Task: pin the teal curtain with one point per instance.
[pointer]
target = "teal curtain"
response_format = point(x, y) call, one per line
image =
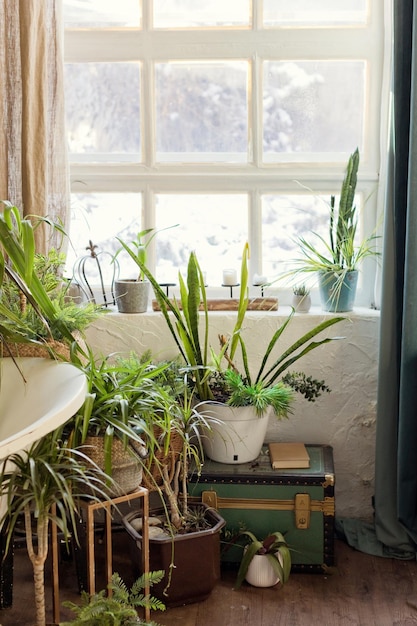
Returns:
point(396, 442)
point(394, 531)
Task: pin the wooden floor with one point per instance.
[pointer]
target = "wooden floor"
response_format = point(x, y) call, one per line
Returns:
point(360, 591)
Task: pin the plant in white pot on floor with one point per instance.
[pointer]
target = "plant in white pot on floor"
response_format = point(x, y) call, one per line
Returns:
point(243, 399)
point(264, 562)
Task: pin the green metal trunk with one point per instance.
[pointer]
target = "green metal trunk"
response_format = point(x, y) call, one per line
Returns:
point(297, 502)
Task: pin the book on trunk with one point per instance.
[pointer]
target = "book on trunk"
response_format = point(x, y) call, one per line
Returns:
point(288, 455)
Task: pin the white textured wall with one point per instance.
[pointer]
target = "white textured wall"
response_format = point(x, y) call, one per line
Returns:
point(344, 419)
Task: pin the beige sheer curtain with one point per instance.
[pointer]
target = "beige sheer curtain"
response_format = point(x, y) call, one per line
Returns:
point(33, 160)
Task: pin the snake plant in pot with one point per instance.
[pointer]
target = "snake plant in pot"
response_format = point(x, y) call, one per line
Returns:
point(238, 401)
point(336, 260)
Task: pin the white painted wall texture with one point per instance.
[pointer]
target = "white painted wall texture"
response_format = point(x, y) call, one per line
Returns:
point(344, 418)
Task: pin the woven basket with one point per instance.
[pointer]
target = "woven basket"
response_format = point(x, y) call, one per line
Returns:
point(126, 468)
point(60, 349)
point(152, 476)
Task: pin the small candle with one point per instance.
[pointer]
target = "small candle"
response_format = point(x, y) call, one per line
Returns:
point(259, 280)
point(229, 277)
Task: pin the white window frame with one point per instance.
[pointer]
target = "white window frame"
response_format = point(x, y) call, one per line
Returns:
point(369, 41)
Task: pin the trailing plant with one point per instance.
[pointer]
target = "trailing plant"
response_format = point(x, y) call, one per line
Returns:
point(273, 547)
point(119, 608)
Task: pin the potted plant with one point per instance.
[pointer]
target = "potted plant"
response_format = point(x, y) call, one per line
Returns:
point(132, 294)
point(35, 318)
point(119, 608)
point(264, 562)
point(43, 483)
point(337, 260)
point(183, 536)
point(116, 424)
point(237, 430)
point(301, 300)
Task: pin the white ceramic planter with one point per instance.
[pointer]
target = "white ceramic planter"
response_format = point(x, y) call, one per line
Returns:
point(239, 434)
point(301, 304)
point(261, 573)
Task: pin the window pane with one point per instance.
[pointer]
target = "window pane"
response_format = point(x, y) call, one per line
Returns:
point(328, 12)
point(202, 111)
point(102, 109)
point(284, 219)
point(310, 109)
point(101, 13)
point(192, 14)
point(101, 217)
point(215, 226)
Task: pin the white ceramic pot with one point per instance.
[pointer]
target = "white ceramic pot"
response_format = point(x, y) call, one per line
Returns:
point(239, 434)
point(301, 304)
point(261, 573)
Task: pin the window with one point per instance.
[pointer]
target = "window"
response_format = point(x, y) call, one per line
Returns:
point(229, 121)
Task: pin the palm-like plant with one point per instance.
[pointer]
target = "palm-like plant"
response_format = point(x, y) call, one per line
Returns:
point(43, 484)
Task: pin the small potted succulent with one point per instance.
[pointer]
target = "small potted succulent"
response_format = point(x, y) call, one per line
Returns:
point(264, 562)
point(301, 300)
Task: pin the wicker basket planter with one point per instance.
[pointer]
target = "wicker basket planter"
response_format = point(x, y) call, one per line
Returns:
point(127, 469)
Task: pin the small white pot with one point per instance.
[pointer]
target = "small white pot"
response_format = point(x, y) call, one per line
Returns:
point(301, 304)
point(261, 573)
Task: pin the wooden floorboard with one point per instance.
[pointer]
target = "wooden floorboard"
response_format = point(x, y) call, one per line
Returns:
point(361, 590)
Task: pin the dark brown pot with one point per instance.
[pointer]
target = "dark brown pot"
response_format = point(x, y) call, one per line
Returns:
point(196, 559)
